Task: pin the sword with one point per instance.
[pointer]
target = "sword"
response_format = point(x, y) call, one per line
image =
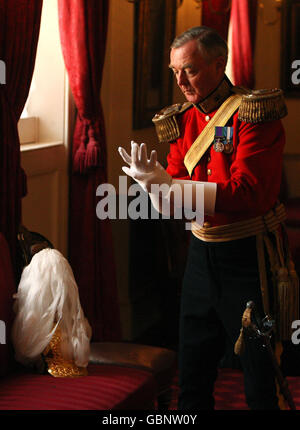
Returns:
point(253, 325)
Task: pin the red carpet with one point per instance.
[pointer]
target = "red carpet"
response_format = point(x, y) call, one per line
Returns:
point(229, 391)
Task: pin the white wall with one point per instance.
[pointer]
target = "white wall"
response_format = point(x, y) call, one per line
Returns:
point(267, 66)
point(45, 161)
point(47, 94)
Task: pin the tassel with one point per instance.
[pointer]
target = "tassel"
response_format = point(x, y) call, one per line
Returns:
point(80, 154)
point(287, 287)
point(283, 304)
point(93, 148)
point(79, 159)
point(294, 279)
point(287, 300)
point(93, 154)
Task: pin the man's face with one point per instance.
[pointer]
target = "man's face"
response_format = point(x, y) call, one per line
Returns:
point(195, 77)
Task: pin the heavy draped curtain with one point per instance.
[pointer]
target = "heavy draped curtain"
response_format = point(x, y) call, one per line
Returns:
point(83, 31)
point(241, 16)
point(243, 26)
point(215, 14)
point(19, 31)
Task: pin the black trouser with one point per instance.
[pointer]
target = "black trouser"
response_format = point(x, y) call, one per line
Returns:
point(220, 279)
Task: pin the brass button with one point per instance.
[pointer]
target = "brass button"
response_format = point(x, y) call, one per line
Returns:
point(207, 224)
point(207, 118)
point(209, 171)
point(208, 159)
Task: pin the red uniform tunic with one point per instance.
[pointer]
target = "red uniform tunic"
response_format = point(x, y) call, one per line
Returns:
point(248, 180)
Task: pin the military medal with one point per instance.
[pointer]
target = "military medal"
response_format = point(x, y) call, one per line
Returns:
point(218, 145)
point(228, 148)
point(219, 139)
point(223, 141)
point(228, 144)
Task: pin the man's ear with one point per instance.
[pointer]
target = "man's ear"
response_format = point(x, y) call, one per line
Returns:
point(220, 63)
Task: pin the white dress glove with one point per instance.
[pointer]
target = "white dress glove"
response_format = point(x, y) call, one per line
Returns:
point(144, 171)
point(149, 173)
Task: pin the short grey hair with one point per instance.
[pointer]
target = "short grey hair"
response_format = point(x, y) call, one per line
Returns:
point(210, 43)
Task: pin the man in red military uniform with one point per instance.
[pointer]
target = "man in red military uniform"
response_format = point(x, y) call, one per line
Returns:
point(248, 176)
point(233, 138)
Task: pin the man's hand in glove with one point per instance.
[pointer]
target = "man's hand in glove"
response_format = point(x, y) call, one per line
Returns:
point(144, 171)
point(148, 172)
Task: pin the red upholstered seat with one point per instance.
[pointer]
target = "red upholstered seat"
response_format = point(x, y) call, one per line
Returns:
point(106, 387)
point(161, 362)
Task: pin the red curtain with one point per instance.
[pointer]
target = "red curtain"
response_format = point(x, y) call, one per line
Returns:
point(215, 14)
point(83, 31)
point(243, 24)
point(19, 31)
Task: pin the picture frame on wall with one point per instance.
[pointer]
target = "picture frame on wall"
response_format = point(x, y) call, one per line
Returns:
point(154, 29)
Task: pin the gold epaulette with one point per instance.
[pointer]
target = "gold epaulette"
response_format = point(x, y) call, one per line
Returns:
point(262, 106)
point(165, 121)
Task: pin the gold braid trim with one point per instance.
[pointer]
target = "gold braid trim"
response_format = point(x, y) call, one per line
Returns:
point(166, 123)
point(262, 106)
point(240, 229)
point(167, 129)
point(271, 237)
point(262, 272)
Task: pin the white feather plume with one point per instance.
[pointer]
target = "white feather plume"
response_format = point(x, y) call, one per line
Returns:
point(47, 295)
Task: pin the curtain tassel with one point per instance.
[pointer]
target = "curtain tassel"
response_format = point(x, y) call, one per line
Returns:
point(93, 149)
point(79, 159)
point(93, 153)
point(80, 154)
